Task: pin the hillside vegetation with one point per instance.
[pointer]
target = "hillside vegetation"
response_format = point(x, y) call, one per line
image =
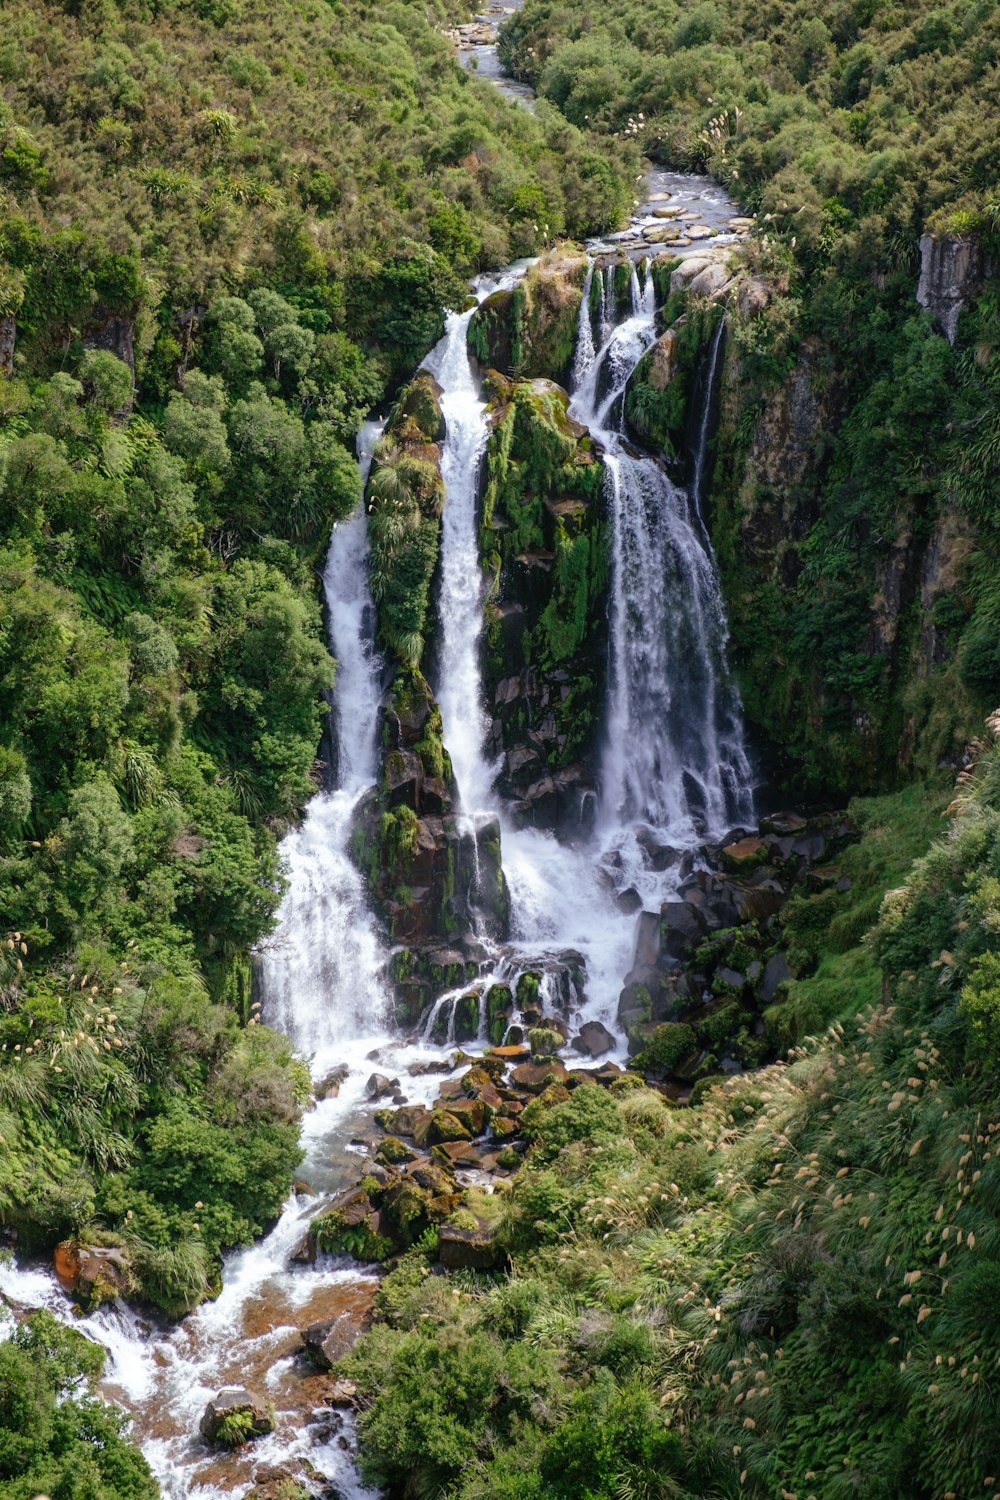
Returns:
point(789, 1290)
point(217, 254)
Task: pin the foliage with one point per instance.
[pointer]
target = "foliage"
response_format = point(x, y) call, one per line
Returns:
point(134, 1103)
point(55, 1437)
point(790, 1287)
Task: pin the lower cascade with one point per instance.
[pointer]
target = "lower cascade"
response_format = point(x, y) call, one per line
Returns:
point(671, 775)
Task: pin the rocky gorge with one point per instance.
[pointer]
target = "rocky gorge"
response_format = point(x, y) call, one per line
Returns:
point(580, 945)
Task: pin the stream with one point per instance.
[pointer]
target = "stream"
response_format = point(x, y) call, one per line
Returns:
point(673, 767)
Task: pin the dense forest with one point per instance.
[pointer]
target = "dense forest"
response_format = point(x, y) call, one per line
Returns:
point(230, 232)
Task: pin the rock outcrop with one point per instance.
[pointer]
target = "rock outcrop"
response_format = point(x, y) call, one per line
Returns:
point(235, 1417)
point(544, 545)
point(93, 1273)
point(8, 338)
point(952, 271)
point(530, 331)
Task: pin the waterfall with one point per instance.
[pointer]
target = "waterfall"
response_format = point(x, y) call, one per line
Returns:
point(583, 359)
point(705, 416)
point(460, 606)
point(323, 979)
point(323, 971)
point(674, 756)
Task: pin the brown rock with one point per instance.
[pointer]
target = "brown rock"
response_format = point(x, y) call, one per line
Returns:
point(93, 1273)
point(327, 1341)
point(235, 1417)
point(534, 1077)
point(466, 1249)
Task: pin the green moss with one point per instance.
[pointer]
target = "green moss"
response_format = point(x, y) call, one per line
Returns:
point(670, 1043)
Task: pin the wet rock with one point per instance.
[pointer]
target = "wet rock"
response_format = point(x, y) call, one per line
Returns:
point(444, 1126)
point(594, 1040)
point(776, 973)
point(783, 823)
point(329, 1085)
point(534, 1077)
point(392, 1152)
point(305, 1251)
point(467, 1249)
point(329, 1340)
point(647, 940)
point(745, 853)
point(378, 1086)
point(681, 926)
point(758, 902)
point(470, 1114)
point(629, 901)
point(952, 271)
point(93, 1273)
point(235, 1417)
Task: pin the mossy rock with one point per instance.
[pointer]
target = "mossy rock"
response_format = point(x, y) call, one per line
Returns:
point(670, 1043)
point(528, 986)
point(446, 1126)
point(491, 335)
point(467, 1017)
point(421, 402)
point(392, 1152)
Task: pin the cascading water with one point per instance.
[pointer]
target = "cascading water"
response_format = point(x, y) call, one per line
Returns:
point(461, 596)
point(674, 757)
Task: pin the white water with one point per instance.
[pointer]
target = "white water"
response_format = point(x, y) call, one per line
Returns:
point(674, 760)
point(461, 598)
point(674, 757)
point(323, 974)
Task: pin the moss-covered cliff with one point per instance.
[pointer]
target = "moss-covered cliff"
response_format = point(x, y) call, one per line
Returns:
point(848, 507)
point(544, 543)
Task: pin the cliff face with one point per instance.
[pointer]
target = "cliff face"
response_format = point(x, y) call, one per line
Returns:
point(543, 540)
point(952, 273)
point(847, 577)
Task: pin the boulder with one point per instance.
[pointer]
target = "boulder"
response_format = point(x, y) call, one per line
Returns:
point(745, 854)
point(235, 1417)
point(329, 1340)
point(466, 1249)
point(776, 973)
point(594, 1040)
point(378, 1086)
point(93, 1273)
point(305, 1251)
point(682, 927)
point(647, 940)
point(329, 1086)
point(534, 1077)
point(341, 1393)
point(445, 1126)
